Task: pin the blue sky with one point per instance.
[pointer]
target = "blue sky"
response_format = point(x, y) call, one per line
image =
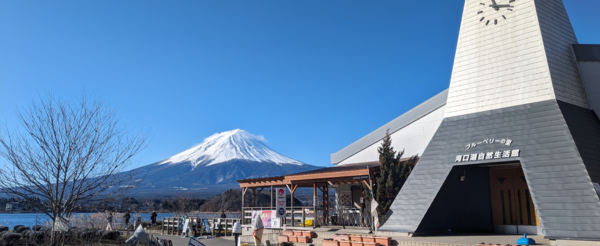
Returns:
point(310, 76)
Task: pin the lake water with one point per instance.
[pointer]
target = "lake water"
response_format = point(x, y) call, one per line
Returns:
point(29, 219)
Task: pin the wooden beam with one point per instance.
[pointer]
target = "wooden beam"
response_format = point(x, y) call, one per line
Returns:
point(367, 184)
point(327, 175)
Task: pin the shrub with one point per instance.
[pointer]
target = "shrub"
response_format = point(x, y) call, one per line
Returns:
point(111, 235)
point(37, 228)
point(22, 229)
point(88, 235)
point(99, 233)
point(10, 237)
point(34, 236)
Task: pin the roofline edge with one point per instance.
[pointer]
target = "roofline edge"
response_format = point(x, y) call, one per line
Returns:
point(421, 110)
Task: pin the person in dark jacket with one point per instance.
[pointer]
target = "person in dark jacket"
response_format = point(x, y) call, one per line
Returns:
point(110, 219)
point(126, 217)
point(223, 215)
point(153, 217)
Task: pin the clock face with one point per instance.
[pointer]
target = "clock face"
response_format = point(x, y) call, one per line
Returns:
point(491, 12)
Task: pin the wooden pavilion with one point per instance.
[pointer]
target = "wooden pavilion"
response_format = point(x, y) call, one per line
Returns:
point(320, 179)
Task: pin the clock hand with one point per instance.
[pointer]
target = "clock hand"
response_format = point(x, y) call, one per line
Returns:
point(494, 4)
point(501, 6)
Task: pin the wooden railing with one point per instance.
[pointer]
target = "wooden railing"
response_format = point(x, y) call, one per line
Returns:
point(293, 217)
point(197, 226)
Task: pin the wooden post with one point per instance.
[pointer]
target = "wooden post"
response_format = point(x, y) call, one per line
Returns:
point(254, 197)
point(325, 203)
point(292, 190)
point(271, 193)
point(314, 205)
point(362, 207)
point(243, 198)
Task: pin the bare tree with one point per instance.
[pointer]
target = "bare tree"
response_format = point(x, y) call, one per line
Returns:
point(68, 153)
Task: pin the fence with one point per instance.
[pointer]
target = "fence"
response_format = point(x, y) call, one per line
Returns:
point(198, 226)
point(346, 216)
point(298, 216)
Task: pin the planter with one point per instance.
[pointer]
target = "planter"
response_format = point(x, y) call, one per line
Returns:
point(357, 238)
point(308, 234)
point(292, 239)
point(386, 241)
point(288, 233)
point(345, 243)
point(283, 239)
point(297, 233)
point(368, 239)
point(370, 244)
point(302, 239)
point(330, 242)
point(341, 237)
point(357, 244)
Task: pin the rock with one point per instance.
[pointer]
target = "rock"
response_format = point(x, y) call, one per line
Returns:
point(17, 227)
point(3, 228)
point(37, 228)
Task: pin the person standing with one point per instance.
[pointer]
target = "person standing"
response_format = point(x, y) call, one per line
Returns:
point(126, 217)
point(110, 219)
point(153, 217)
point(223, 215)
point(138, 222)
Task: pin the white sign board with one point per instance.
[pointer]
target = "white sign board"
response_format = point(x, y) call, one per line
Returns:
point(275, 221)
point(61, 225)
point(280, 202)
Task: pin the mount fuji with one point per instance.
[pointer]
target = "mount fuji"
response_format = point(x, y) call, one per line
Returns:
point(214, 166)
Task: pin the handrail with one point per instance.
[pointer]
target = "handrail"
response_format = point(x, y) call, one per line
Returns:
point(172, 225)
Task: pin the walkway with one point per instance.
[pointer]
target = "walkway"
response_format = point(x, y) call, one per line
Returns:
point(179, 241)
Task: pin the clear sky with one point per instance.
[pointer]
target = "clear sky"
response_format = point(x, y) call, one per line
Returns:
point(310, 76)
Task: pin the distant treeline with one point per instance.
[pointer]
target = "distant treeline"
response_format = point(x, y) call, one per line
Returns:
point(230, 201)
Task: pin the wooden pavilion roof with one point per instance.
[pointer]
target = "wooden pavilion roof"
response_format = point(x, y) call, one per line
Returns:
point(343, 174)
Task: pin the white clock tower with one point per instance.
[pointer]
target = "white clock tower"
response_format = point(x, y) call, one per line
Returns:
point(516, 88)
point(514, 54)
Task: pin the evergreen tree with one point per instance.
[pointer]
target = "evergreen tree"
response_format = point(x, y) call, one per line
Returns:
point(393, 174)
point(385, 182)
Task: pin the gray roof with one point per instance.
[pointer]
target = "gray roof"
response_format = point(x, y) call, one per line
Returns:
point(587, 52)
point(395, 125)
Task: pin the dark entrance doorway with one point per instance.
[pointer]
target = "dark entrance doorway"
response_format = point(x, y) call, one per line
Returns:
point(513, 211)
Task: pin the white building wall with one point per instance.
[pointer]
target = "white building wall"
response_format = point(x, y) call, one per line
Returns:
point(506, 64)
point(558, 36)
point(414, 138)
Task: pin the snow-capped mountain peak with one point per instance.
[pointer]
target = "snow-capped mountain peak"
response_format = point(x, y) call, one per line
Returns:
point(230, 145)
